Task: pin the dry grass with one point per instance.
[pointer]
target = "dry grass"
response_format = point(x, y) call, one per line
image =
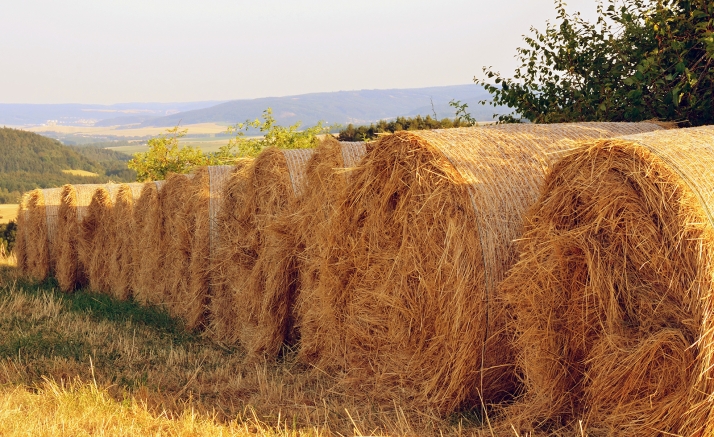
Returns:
point(8, 212)
point(177, 232)
point(20, 248)
point(275, 183)
point(404, 307)
point(40, 232)
point(207, 193)
point(96, 232)
point(80, 173)
point(146, 245)
point(70, 272)
point(120, 247)
point(224, 276)
point(612, 296)
point(302, 230)
point(144, 375)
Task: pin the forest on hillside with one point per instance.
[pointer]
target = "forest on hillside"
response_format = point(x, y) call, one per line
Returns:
point(29, 161)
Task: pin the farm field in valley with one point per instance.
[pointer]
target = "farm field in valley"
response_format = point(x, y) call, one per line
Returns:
point(80, 173)
point(8, 212)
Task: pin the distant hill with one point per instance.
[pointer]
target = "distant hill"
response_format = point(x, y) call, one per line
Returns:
point(75, 114)
point(343, 107)
point(29, 160)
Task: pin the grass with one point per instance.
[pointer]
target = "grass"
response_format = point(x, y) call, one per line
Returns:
point(8, 212)
point(84, 363)
point(80, 173)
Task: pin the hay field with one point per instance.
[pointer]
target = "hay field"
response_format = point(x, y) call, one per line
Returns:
point(85, 363)
point(80, 173)
point(8, 212)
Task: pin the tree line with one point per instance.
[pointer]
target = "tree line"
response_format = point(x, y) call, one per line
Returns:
point(371, 132)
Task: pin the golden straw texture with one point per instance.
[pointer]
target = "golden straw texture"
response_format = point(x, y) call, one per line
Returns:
point(223, 273)
point(178, 228)
point(404, 307)
point(75, 199)
point(266, 298)
point(95, 237)
point(327, 176)
point(120, 246)
point(146, 248)
point(207, 189)
point(611, 298)
point(40, 230)
point(20, 248)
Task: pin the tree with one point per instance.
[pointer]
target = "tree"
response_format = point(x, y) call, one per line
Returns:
point(165, 156)
point(640, 60)
point(273, 135)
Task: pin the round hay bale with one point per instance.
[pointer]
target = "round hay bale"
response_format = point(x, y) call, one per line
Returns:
point(36, 247)
point(266, 299)
point(40, 232)
point(70, 272)
point(120, 247)
point(612, 295)
point(223, 310)
point(271, 185)
point(207, 189)
point(404, 307)
point(94, 248)
point(146, 248)
point(20, 248)
point(175, 198)
point(327, 175)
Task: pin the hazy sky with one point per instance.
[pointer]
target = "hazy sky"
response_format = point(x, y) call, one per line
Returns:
point(111, 51)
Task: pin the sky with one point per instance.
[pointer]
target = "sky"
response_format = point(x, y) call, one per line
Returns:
point(114, 51)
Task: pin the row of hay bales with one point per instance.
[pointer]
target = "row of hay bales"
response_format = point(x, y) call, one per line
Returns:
point(395, 267)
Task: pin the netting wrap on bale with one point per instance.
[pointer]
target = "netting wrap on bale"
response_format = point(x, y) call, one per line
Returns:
point(206, 200)
point(612, 295)
point(404, 305)
point(75, 200)
point(146, 247)
point(120, 248)
point(96, 232)
point(40, 232)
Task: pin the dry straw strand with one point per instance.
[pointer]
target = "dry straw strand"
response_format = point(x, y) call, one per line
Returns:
point(36, 244)
point(178, 228)
point(223, 272)
point(95, 249)
point(611, 298)
point(404, 305)
point(20, 248)
point(120, 246)
point(245, 285)
point(40, 231)
point(74, 200)
point(327, 175)
point(146, 247)
point(207, 192)
point(267, 296)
